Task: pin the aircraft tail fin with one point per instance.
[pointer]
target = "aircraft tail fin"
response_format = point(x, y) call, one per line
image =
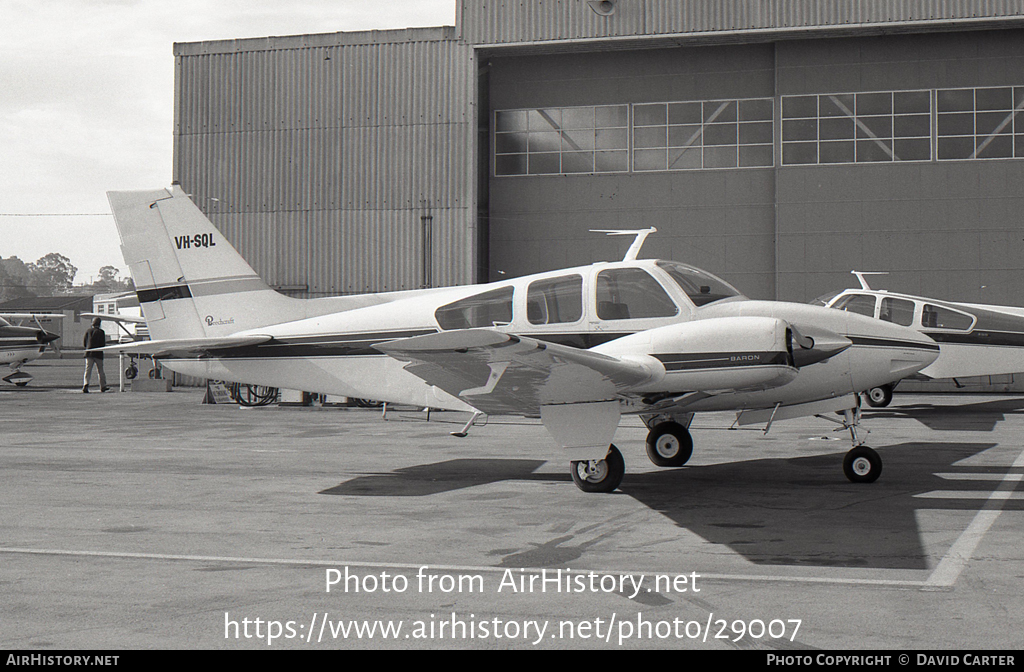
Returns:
point(190, 281)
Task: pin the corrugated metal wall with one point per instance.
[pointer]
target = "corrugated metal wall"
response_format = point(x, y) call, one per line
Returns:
point(510, 21)
point(318, 155)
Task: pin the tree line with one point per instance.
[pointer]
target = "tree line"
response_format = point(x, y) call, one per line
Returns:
point(53, 275)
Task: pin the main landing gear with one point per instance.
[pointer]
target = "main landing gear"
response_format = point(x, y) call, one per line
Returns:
point(861, 464)
point(879, 397)
point(599, 475)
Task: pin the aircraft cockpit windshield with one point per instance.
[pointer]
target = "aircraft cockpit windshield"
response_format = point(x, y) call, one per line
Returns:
point(824, 299)
point(702, 287)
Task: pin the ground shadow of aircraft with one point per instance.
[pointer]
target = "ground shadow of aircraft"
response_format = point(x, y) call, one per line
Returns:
point(792, 511)
point(977, 417)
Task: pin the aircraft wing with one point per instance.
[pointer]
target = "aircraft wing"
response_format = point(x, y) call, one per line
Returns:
point(29, 316)
point(130, 319)
point(503, 374)
point(184, 347)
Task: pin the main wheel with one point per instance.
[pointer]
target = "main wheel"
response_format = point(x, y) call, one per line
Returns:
point(879, 396)
point(669, 444)
point(599, 475)
point(862, 465)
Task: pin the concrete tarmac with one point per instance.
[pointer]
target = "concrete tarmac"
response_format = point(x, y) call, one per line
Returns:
point(149, 520)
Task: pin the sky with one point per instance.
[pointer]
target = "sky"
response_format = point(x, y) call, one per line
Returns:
point(87, 96)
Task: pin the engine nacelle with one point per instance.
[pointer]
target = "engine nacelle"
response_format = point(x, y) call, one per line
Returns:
point(725, 353)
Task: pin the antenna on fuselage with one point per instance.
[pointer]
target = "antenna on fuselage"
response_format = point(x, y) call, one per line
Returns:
point(864, 283)
point(634, 249)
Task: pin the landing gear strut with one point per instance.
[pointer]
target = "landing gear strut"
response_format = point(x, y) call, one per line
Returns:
point(599, 475)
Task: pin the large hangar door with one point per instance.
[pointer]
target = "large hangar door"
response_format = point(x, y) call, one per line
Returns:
point(678, 139)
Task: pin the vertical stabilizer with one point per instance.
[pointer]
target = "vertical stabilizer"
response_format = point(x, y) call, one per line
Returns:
point(190, 281)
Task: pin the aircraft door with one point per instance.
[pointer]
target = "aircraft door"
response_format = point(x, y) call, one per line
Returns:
point(630, 299)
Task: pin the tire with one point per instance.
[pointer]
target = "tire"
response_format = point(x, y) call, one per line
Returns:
point(669, 444)
point(862, 465)
point(599, 475)
point(131, 372)
point(879, 397)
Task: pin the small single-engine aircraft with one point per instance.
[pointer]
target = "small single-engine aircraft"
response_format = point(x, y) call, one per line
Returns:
point(974, 339)
point(20, 344)
point(576, 347)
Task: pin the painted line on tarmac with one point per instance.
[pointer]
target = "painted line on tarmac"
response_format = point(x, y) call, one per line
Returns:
point(960, 553)
point(752, 578)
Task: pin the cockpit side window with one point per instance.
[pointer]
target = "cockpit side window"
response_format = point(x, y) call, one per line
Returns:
point(937, 317)
point(897, 311)
point(555, 300)
point(862, 304)
point(702, 288)
point(493, 308)
point(631, 293)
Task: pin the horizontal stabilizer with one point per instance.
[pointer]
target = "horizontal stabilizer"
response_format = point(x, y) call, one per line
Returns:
point(500, 373)
point(184, 347)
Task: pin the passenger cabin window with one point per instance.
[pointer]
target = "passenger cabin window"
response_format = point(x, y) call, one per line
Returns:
point(897, 311)
point(937, 317)
point(702, 288)
point(555, 301)
point(631, 293)
point(862, 304)
point(489, 309)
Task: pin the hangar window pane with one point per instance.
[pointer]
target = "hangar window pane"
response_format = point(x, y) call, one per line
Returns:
point(874, 127)
point(757, 155)
point(898, 311)
point(919, 149)
point(796, 153)
point(719, 110)
point(979, 123)
point(873, 118)
point(489, 309)
point(650, 115)
point(555, 301)
point(611, 162)
point(578, 162)
point(544, 164)
point(685, 158)
point(631, 293)
point(836, 152)
point(611, 138)
point(510, 120)
point(685, 113)
point(650, 159)
point(795, 107)
point(874, 150)
point(720, 157)
point(911, 102)
point(554, 141)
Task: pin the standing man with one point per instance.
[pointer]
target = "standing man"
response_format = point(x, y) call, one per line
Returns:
point(94, 338)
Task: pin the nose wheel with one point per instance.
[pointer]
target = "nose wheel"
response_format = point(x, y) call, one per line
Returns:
point(599, 475)
point(862, 465)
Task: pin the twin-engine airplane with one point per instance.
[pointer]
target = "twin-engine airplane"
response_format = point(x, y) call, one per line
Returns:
point(576, 347)
point(20, 344)
point(974, 339)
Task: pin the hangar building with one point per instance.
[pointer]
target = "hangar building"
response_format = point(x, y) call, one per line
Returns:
point(777, 143)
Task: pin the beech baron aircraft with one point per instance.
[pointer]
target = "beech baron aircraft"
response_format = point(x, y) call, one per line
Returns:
point(20, 344)
point(974, 339)
point(576, 347)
